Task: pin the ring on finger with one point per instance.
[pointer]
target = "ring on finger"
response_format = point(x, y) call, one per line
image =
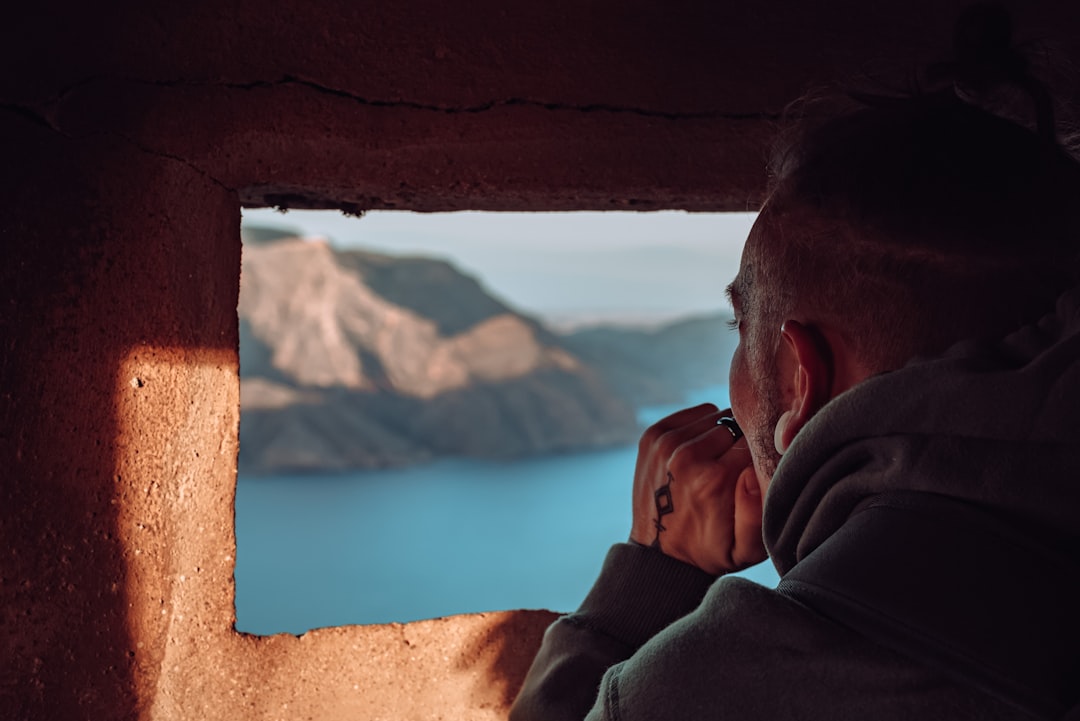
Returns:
point(729, 423)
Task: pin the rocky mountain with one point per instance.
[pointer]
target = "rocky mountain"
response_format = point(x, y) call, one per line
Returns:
point(354, 359)
point(652, 366)
point(351, 359)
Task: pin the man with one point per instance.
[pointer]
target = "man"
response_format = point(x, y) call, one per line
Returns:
point(908, 377)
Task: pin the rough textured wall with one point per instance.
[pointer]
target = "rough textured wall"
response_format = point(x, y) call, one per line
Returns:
point(120, 417)
point(442, 106)
point(133, 133)
point(119, 374)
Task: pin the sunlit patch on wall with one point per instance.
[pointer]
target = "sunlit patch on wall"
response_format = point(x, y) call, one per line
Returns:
point(161, 401)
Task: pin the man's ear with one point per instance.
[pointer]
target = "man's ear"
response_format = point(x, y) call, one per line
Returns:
point(812, 367)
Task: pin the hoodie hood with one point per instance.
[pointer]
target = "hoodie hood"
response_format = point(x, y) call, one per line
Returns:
point(995, 425)
point(934, 511)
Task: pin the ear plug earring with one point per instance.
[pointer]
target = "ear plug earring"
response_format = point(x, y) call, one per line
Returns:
point(778, 436)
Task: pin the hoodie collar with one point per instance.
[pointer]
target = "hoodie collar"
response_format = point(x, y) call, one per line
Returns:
point(993, 424)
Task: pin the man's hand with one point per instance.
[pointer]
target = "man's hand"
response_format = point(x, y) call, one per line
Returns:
point(696, 496)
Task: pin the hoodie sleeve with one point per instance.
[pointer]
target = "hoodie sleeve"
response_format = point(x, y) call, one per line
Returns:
point(639, 592)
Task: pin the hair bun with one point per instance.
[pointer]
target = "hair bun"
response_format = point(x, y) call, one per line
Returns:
point(988, 71)
point(984, 53)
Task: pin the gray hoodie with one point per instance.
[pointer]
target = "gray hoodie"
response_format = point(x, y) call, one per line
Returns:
point(926, 527)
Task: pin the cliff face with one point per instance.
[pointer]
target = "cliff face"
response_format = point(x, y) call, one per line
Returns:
point(353, 359)
point(658, 365)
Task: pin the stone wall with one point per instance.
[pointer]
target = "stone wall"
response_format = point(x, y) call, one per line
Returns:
point(132, 137)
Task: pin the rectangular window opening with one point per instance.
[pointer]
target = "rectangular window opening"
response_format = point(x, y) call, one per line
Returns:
point(439, 412)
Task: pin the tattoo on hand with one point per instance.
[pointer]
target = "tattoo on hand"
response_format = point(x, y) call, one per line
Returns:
point(664, 506)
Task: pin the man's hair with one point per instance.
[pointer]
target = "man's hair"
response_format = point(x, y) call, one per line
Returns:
point(910, 223)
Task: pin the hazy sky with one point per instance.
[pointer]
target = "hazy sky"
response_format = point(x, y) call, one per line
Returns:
point(590, 264)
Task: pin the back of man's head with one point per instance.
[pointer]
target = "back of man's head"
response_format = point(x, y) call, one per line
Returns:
point(911, 223)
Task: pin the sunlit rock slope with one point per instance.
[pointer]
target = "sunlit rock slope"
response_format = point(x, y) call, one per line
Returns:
point(351, 359)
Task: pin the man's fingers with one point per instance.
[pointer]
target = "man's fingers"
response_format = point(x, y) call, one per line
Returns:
point(695, 440)
point(705, 442)
point(710, 519)
point(676, 422)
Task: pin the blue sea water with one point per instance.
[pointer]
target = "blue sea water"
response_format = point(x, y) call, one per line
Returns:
point(454, 536)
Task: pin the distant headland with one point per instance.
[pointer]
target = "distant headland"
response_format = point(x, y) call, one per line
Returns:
point(352, 359)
